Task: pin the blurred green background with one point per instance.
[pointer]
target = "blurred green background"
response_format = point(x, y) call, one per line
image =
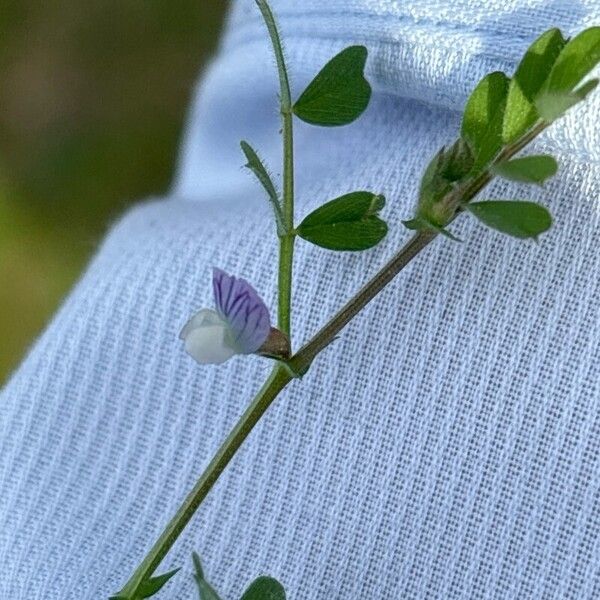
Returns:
point(93, 96)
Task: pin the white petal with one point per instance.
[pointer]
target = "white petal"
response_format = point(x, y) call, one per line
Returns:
point(207, 337)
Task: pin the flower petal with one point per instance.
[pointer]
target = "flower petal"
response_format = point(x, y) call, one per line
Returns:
point(241, 307)
point(207, 338)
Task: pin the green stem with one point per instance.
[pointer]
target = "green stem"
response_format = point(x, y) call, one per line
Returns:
point(286, 242)
point(278, 379)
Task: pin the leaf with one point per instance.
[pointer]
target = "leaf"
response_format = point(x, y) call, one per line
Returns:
point(516, 218)
point(483, 117)
point(534, 69)
point(349, 222)
point(530, 76)
point(206, 590)
point(528, 169)
point(154, 584)
point(577, 59)
point(257, 167)
point(579, 56)
point(520, 114)
point(264, 588)
point(551, 106)
point(339, 93)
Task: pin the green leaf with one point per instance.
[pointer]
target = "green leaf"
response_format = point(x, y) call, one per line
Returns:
point(553, 105)
point(154, 584)
point(530, 76)
point(578, 58)
point(534, 69)
point(520, 114)
point(256, 165)
point(349, 222)
point(206, 590)
point(483, 117)
point(516, 218)
point(528, 169)
point(264, 588)
point(339, 93)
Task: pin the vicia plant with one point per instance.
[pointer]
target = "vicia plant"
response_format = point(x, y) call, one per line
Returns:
point(502, 116)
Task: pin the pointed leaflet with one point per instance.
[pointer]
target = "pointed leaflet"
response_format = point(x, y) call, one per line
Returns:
point(579, 56)
point(257, 167)
point(264, 588)
point(205, 589)
point(529, 78)
point(528, 169)
point(339, 93)
point(519, 219)
point(349, 222)
point(533, 70)
point(154, 584)
point(483, 117)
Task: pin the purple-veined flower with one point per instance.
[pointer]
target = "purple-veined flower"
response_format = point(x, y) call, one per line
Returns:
point(239, 325)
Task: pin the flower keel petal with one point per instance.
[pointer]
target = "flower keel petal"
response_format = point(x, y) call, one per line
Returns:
point(207, 338)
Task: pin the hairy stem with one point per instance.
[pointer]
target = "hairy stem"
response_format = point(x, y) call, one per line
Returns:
point(286, 241)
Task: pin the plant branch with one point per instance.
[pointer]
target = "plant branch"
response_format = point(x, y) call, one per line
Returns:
point(286, 241)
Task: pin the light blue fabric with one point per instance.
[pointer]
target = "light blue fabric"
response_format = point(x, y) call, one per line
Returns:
point(446, 446)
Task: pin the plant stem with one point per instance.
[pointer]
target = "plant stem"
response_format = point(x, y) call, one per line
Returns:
point(286, 241)
point(278, 379)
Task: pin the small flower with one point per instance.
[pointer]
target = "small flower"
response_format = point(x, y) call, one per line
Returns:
point(239, 325)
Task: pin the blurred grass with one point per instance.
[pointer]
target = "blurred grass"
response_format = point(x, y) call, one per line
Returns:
point(92, 100)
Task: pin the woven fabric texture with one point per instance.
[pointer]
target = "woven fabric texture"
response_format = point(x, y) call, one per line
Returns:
point(446, 446)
